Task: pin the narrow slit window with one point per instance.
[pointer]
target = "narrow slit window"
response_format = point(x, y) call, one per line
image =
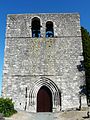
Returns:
point(49, 29)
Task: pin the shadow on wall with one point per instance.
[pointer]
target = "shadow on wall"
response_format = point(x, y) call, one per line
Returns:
point(82, 94)
point(81, 66)
point(83, 88)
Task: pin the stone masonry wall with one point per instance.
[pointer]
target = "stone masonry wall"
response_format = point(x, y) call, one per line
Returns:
point(28, 59)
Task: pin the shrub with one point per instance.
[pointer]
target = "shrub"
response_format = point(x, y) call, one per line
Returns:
point(7, 107)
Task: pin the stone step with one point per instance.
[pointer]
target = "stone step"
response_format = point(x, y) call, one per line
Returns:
point(43, 116)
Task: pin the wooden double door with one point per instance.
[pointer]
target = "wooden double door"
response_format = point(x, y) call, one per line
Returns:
point(44, 100)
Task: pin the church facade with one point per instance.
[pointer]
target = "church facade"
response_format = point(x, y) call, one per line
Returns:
point(42, 55)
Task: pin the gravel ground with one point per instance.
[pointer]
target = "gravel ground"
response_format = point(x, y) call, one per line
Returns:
point(70, 115)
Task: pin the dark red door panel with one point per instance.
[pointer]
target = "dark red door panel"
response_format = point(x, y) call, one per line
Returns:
point(44, 100)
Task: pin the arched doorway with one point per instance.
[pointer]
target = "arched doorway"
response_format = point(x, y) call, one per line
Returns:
point(44, 100)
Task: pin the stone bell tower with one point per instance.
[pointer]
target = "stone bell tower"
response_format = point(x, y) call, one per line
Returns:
point(42, 52)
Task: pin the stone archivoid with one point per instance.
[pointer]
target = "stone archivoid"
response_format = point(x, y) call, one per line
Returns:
point(42, 55)
point(46, 93)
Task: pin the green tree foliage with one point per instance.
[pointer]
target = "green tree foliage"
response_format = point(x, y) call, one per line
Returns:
point(86, 53)
point(7, 107)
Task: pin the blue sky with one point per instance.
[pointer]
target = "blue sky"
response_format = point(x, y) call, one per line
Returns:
point(40, 6)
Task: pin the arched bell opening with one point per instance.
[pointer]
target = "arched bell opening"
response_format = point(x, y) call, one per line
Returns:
point(36, 27)
point(49, 29)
